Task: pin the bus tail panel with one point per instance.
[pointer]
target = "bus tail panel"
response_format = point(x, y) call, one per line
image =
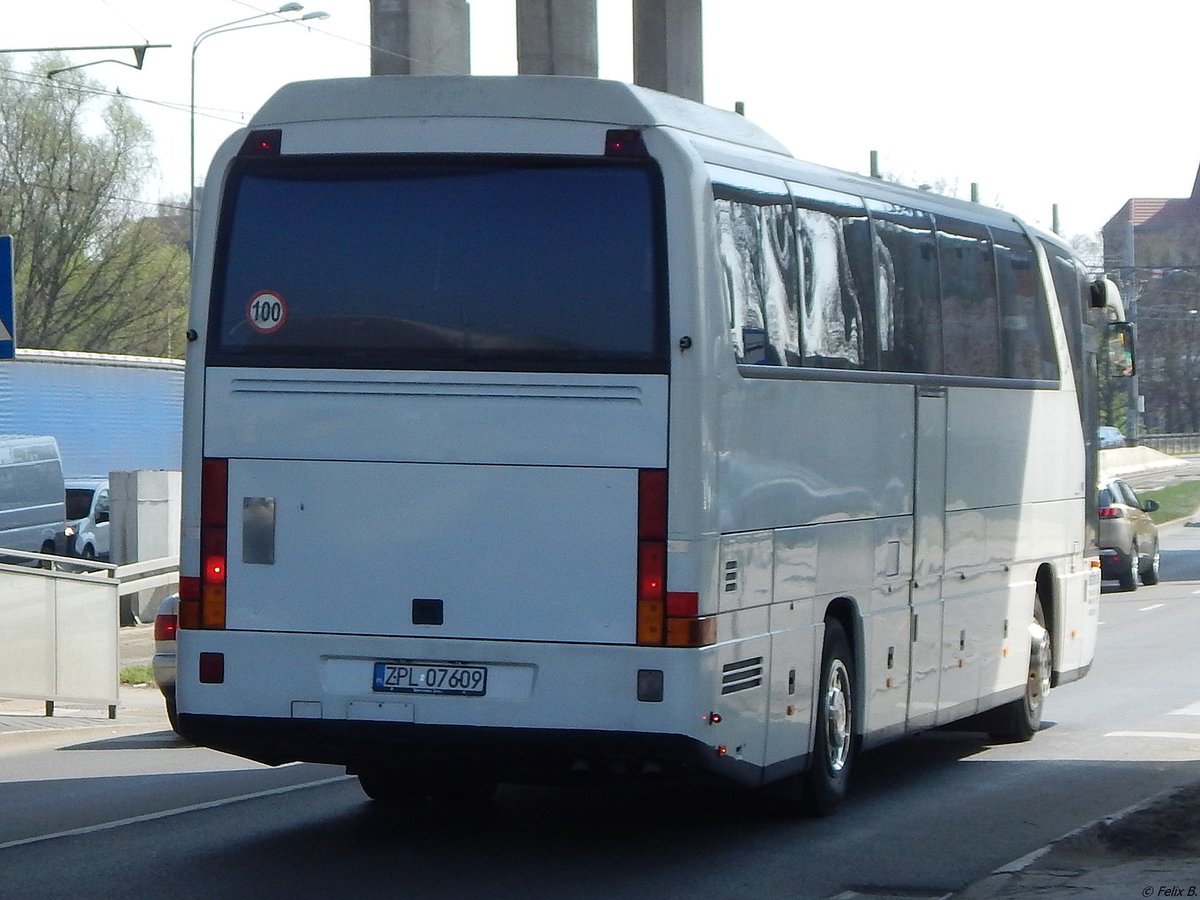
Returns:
point(543, 553)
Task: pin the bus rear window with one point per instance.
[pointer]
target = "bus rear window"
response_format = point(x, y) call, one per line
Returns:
point(372, 262)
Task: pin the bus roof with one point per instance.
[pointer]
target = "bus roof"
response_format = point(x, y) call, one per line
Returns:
point(579, 99)
point(546, 97)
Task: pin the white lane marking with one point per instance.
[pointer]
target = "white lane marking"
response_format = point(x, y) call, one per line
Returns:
point(168, 813)
point(1169, 735)
point(1151, 606)
point(1193, 710)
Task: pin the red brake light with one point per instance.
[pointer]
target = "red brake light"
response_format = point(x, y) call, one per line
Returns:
point(625, 144)
point(1111, 512)
point(652, 505)
point(165, 627)
point(265, 142)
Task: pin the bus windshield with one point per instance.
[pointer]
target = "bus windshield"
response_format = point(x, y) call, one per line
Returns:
point(449, 263)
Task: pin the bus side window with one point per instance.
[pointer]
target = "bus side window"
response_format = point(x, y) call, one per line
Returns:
point(906, 265)
point(757, 253)
point(838, 316)
point(970, 323)
point(1027, 341)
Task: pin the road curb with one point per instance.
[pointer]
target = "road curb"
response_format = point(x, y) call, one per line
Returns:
point(996, 883)
point(22, 737)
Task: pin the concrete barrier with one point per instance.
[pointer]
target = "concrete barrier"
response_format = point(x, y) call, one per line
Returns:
point(1119, 461)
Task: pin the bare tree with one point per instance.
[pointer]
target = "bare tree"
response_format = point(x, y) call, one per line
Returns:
point(94, 270)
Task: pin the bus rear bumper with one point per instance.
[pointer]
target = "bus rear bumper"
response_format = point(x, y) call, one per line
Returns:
point(547, 712)
point(517, 755)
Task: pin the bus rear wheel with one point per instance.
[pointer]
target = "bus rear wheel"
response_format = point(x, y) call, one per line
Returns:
point(833, 747)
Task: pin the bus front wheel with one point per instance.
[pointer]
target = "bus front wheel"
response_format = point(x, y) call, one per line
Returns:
point(833, 747)
point(1021, 719)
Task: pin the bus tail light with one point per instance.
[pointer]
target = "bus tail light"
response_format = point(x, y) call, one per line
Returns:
point(685, 626)
point(652, 557)
point(202, 600)
point(664, 618)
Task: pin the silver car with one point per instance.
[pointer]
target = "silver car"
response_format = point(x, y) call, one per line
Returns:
point(1128, 538)
point(163, 663)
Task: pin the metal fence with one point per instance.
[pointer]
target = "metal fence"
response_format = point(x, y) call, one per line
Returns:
point(1174, 444)
point(59, 626)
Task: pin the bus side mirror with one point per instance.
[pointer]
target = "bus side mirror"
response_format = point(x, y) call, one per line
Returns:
point(1105, 295)
point(1118, 339)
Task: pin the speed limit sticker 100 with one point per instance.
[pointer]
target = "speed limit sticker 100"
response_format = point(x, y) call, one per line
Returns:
point(266, 312)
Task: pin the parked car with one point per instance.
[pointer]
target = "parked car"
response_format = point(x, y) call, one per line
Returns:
point(1107, 436)
point(86, 534)
point(1128, 538)
point(163, 663)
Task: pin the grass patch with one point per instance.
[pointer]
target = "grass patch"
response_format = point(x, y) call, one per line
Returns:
point(1175, 502)
point(137, 675)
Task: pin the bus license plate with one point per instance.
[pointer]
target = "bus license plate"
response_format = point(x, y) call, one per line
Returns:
point(430, 678)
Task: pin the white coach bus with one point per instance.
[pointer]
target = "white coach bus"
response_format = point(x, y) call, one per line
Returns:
point(543, 428)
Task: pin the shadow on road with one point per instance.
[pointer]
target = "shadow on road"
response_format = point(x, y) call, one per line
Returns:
point(1180, 565)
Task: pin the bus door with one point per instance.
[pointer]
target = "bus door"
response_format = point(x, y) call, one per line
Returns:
point(929, 515)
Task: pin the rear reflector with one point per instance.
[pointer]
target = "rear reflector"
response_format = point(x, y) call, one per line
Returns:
point(212, 668)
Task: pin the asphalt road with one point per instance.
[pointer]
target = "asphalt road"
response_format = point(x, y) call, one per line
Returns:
point(147, 815)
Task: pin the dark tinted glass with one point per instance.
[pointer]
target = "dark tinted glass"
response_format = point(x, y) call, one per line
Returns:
point(1027, 341)
point(1072, 289)
point(444, 264)
point(970, 325)
point(906, 278)
point(79, 502)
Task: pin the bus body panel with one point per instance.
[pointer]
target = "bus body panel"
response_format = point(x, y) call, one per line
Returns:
point(501, 552)
point(439, 417)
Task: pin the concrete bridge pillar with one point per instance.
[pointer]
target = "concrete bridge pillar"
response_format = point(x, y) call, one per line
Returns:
point(667, 47)
point(420, 37)
point(557, 37)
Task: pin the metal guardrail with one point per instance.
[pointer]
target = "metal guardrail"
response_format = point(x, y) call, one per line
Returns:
point(1173, 444)
point(131, 577)
point(58, 625)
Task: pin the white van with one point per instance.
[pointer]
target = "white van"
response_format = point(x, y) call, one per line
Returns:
point(32, 492)
point(88, 516)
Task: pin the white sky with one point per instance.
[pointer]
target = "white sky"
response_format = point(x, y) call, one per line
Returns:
point(1083, 103)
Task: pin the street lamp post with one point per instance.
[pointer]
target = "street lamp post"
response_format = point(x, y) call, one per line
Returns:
point(235, 25)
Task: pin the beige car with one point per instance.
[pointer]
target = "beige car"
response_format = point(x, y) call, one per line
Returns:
point(1127, 537)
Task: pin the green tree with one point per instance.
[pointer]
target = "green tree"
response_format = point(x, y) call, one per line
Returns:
point(95, 268)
